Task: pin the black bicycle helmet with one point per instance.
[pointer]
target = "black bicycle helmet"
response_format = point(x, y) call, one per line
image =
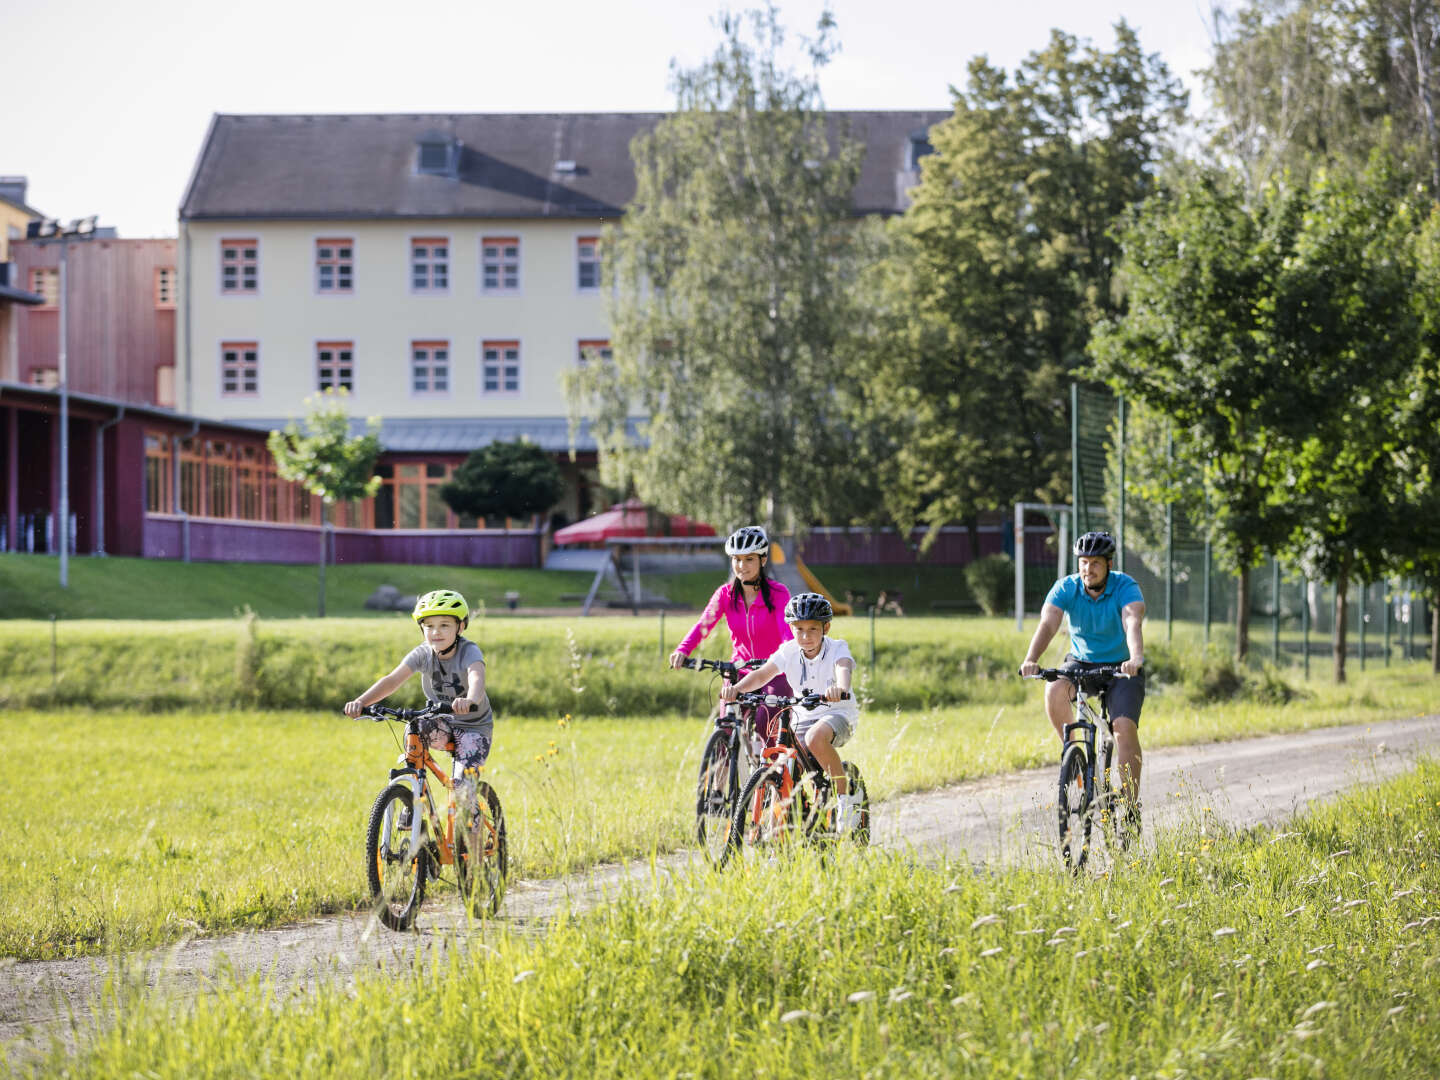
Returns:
point(808, 605)
point(1100, 544)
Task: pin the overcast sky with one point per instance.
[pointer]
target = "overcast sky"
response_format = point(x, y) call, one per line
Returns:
point(107, 101)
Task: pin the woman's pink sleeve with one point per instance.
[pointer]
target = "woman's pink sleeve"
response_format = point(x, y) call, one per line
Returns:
point(708, 618)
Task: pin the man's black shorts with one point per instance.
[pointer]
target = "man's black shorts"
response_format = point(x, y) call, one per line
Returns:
point(1125, 697)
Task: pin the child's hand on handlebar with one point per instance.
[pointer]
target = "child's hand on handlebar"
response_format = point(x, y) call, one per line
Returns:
point(1029, 668)
point(834, 693)
point(354, 709)
point(677, 658)
point(462, 705)
point(728, 691)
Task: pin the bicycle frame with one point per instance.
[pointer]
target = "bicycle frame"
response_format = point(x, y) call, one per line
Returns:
point(789, 754)
point(418, 762)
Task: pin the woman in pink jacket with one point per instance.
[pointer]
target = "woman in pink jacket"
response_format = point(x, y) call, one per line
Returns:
point(753, 606)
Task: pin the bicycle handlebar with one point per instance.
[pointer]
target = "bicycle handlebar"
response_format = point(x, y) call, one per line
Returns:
point(1075, 675)
point(806, 700)
point(724, 667)
point(385, 712)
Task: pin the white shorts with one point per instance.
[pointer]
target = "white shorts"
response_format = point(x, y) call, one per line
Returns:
point(840, 723)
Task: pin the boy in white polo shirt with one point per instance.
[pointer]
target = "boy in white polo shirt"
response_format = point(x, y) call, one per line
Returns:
point(815, 662)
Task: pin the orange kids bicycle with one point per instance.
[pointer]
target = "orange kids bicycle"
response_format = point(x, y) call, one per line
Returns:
point(791, 799)
point(408, 840)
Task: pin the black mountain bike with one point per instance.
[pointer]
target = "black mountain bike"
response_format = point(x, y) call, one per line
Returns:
point(731, 755)
point(1089, 788)
point(791, 799)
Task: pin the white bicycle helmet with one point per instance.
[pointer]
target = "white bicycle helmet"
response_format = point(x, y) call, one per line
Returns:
point(751, 540)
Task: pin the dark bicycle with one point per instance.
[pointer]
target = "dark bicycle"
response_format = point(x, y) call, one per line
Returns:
point(791, 799)
point(1088, 788)
point(731, 755)
point(408, 839)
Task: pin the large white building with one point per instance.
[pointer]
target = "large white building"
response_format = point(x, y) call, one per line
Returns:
point(443, 269)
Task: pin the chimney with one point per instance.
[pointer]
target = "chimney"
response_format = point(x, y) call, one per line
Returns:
point(12, 188)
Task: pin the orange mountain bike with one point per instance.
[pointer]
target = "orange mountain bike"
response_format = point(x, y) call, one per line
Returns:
point(408, 841)
point(791, 799)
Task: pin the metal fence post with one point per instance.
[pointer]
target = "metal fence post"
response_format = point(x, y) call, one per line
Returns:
point(1364, 600)
point(1207, 593)
point(1385, 594)
point(1275, 610)
point(872, 641)
point(1305, 623)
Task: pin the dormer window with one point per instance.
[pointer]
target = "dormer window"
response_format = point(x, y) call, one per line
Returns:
point(919, 147)
point(438, 154)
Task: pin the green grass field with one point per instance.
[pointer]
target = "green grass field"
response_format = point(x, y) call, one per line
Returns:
point(1308, 952)
point(156, 825)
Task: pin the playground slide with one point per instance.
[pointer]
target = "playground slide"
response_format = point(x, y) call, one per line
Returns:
point(798, 578)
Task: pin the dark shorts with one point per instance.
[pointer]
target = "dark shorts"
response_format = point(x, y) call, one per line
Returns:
point(1125, 697)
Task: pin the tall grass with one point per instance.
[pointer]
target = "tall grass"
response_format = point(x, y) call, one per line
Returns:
point(151, 826)
point(611, 666)
point(1300, 953)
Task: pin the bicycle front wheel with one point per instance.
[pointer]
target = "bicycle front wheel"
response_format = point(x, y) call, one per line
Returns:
point(764, 816)
point(482, 854)
point(397, 882)
point(716, 794)
point(1074, 807)
point(860, 834)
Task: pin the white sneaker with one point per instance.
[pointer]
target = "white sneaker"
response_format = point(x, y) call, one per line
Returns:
point(847, 814)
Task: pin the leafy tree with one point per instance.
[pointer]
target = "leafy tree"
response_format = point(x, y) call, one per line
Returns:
point(732, 284)
point(1307, 84)
point(504, 479)
point(1198, 345)
point(326, 461)
point(1345, 315)
point(1000, 266)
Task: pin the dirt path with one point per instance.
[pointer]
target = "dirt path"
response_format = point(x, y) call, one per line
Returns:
point(1253, 781)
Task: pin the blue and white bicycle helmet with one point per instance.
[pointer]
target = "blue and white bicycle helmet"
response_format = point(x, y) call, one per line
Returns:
point(751, 540)
point(808, 605)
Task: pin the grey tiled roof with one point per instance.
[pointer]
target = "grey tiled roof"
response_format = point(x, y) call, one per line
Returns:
point(364, 166)
point(463, 434)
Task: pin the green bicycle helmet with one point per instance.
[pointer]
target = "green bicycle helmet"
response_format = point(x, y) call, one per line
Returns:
point(442, 602)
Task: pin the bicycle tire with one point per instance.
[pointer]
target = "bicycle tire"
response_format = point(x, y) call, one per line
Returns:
point(1107, 801)
point(1076, 789)
point(482, 881)
point(860, 835)
point(762, 818)
point(717, 790)
point(396, 890)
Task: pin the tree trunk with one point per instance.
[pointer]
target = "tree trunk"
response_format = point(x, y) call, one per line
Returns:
point(1342, 587)
point(972, 533)
point(1242, 612)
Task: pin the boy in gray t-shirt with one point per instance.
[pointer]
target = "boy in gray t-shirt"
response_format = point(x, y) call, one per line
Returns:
point(452, 671)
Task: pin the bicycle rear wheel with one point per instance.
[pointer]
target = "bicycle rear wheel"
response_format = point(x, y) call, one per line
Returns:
point(397, 883)
point(1074, 807)
point(716, 794)
point(481, 866)
point(764, 817)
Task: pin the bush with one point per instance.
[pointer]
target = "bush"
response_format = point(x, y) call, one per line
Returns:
point(992, 583)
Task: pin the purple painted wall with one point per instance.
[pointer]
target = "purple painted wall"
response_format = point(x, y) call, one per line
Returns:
point(951, 548)
point(231, 541)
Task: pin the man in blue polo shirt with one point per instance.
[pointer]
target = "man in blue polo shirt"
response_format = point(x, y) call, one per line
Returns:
point(1105, 610)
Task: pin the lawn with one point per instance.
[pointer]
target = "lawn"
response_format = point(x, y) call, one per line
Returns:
point(1296, 953)
point(153, 825)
